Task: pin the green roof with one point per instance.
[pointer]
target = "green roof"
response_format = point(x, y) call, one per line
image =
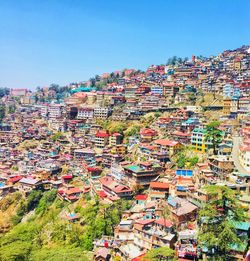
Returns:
point(133, 168)
point(241, 225)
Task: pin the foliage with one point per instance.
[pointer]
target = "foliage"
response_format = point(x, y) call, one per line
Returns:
point(217, 218)
point(60, 254)
point(176, 60)
point(161, 253)
point(117, 127)
point(183, 160)
point(57, 136)
point(132, 130)
point(214, 135)
point(15, 251)
point(2, 112)
point(46, 201)
point(4, 91)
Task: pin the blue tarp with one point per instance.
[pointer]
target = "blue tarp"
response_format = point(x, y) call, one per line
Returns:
point(184, 172)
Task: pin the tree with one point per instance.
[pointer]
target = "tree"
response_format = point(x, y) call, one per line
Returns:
point(4, 91)
point(54, 87)
point(213, 135)
point(2, 112)
point(57, 136)
point(217, 219)
point(181, 160)
point(161, 253)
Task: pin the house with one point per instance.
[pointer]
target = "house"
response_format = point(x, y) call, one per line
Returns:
point(102, 254)
point(102, 112)
point(198, 140)
point(112, 187)
point(70, 194)
point(142, 174)
point(221, 166)
point(115, 139)
point(18, 92)
point(244, 155)
point(101, 139)
point(182, 137)
point(147, 135)
point(29, 184)
point(158, 190)
point(182, 211)
point(85, 113)
point(141, 199)
point(151, 233)
point(168, 146)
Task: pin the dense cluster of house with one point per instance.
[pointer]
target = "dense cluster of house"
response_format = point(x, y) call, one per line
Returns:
point(63, 145)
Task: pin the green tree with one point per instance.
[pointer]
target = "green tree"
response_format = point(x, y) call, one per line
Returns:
point(2, 112)
point(161, 253)
point(214, 135)
point(181, 160)
point(56, 136)
point(217, 219)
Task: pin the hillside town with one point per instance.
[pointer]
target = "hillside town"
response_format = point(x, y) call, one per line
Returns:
point(156, 139)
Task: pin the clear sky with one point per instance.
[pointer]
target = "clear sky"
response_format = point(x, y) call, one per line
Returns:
point(62, 41)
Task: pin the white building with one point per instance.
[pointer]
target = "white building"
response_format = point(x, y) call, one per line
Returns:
point(244, 155)
point(102, 112)
point(85, 113)
point(55, 110)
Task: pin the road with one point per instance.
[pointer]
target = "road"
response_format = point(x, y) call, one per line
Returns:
point(235, 154)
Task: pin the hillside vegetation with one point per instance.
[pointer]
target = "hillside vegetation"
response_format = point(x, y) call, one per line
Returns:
point(39, 231)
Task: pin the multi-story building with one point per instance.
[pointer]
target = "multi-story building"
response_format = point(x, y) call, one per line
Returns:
point(244, 155)
point(101, 139)
point(142, 174)
point(221, 166)
point(55, 110)
point(198, 140)
point(85, 113)
point(226, 106)
point(158, 90)
point(102, 112)
point(115, 139)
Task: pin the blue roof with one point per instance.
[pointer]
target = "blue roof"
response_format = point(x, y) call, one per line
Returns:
point(171, 201)
point(84, 89)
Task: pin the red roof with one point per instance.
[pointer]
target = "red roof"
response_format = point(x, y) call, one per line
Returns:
point(101, 194)
point(148, 132)
point(141, 197)
point(67, 177)
point(164, 222)
point(182, 134)
point(102, 134)
point(144, 221)
point(116, 134)
point(164, 142)
point(73, 191)
point(159, 185)
point(15, 179)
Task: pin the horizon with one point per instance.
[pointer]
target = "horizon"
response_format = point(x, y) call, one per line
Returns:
point(64, 42)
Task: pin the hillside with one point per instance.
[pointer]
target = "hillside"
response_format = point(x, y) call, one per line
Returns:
point(46, 233)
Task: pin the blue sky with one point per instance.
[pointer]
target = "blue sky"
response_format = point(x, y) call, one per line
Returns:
point(62, 41)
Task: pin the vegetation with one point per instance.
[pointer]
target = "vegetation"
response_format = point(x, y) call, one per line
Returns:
point(214, 135)
point(2, 112)
point(57, 136)
point(46, 235)
point(176, 60)
point(4, 91)
point(217, 220)
point(161, 253)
